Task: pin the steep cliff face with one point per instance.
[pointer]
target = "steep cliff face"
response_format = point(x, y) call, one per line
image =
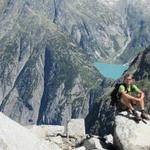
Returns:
point(100, 120)
point(43, 74)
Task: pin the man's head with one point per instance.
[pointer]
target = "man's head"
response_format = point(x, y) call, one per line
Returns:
point(128, 79)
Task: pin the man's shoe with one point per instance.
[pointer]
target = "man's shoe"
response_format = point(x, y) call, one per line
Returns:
point(138, 118)
point(144, 115)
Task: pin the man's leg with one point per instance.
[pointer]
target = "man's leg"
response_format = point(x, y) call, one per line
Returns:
point(127, 102)
point(141, 106)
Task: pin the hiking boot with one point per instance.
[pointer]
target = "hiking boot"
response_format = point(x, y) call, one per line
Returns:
point(138, 118)
point(144, 115)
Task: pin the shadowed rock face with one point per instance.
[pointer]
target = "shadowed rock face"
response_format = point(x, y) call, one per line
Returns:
point(43, 74)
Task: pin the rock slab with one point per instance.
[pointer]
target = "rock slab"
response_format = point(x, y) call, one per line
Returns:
point(129, 135)
point(76, 128)
point(16, 137)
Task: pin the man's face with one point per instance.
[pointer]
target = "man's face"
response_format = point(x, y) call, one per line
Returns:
point(128, 80)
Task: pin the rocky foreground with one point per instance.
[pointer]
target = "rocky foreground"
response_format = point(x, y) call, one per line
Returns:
point(13, 136)
point(131, 135)
point(128, 135)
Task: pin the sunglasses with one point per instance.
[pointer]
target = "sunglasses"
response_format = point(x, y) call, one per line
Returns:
point(129, 78)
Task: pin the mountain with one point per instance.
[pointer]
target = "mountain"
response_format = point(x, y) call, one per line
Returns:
point(108, 30)
point(47, 50)
point(43, 73)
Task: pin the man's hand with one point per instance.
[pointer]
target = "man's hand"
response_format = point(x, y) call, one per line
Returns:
point(140, 95)
point(138, 99)
point(132, 97)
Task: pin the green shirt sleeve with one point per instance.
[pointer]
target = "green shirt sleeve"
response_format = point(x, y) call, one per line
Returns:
point(135, 88)
point(121, 89)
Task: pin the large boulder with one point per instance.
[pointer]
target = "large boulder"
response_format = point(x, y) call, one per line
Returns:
point(15, 137)
point(44, 131)
point(130, 135)
point(80, 148)
point(76, 128)
point(108, 139)
point(65, 137)
point(93, 144)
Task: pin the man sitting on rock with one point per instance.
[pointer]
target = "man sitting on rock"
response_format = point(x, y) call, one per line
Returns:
point(131, 95)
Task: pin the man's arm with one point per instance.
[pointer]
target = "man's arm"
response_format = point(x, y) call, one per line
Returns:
point(124, 94)
point(140, 94)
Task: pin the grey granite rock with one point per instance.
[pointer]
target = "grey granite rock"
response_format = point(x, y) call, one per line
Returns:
point(129, 135)
point(14, 136)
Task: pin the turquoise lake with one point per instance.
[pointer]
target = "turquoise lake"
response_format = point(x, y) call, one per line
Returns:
point(113, 71)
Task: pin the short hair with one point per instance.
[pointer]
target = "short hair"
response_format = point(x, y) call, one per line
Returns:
point(127, 75)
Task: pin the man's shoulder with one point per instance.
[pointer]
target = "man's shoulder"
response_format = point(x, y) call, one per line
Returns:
point(134, 88)
point(121, 87)
point(133, 85)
